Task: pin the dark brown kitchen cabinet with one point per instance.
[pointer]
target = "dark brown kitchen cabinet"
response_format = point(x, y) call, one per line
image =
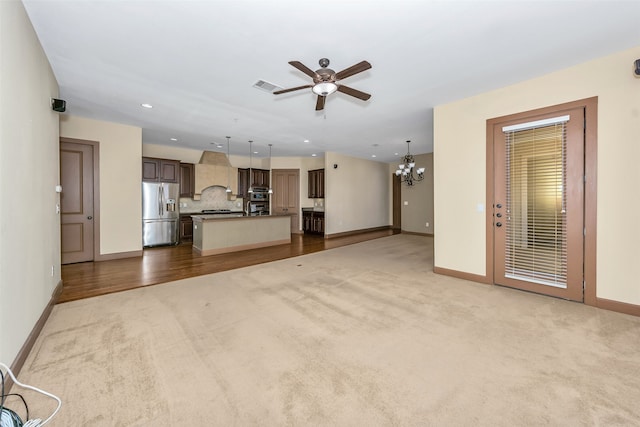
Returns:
point(186, 228)
point(257, 178)
point(260, 177)
point(316, 184)
point(312, 222)
point(160, 170)
point(187, 179)
point(243, 183)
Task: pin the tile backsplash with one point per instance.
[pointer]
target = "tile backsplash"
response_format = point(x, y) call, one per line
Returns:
point(212, 198)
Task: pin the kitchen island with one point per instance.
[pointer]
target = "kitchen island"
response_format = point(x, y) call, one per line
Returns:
point(219, 234)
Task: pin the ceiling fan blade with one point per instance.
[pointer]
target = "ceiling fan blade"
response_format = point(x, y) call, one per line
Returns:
point(300, 66)
point(353, 92)
point(278, 92)
point(354, 69)
point(320, 103)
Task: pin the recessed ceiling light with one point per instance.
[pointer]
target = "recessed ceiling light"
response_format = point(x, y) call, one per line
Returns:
point(313, 155)
point(174, 139)
point(146, 105)
point(255, 152)
point(305, 141)
point(395, 154)
point(373, 155)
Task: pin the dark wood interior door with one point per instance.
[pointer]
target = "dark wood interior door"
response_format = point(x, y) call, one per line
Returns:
point(285, 198)
point(76, 202)
point(538, 209)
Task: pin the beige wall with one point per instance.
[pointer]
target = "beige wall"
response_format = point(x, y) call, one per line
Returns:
point(459, 162)
point(419, 198)
point(120, 149)
point(356, 194)
point(29, 172)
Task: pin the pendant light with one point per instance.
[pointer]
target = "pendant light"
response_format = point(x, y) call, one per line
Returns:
point(270, 189)
point(228, 190)
point(407, 168)
point(250, 164)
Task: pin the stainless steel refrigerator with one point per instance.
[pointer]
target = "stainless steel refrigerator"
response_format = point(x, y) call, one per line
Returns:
point(160, 214)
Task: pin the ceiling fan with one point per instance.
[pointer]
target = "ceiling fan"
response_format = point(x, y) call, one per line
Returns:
point(324, 81)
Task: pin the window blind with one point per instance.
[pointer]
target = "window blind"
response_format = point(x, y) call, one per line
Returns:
point(536, 232)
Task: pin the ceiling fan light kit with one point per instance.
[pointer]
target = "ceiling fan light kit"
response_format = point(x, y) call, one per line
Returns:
point(324, 88)
point(324, 81)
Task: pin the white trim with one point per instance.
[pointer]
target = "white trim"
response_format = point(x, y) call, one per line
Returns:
point(536, 124)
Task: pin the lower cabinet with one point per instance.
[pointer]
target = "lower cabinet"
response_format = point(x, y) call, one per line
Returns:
point(312, 222)
point(186, 228)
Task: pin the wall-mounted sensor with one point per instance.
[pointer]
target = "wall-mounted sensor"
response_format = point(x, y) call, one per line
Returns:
point(59, 105)
point(637, 67)
point(335, 166)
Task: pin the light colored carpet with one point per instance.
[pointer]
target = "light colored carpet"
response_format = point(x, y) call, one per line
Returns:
point(362, 335)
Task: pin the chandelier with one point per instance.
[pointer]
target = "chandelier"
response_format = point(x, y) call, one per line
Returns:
point(406, 169)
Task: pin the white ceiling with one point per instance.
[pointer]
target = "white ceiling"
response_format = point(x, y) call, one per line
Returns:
point(196, 63)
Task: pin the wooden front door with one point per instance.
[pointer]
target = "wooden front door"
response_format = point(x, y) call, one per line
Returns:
point(285, 198)
point(77, 202)
point(538, 206)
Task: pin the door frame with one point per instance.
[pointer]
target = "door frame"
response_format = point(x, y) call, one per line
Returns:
point(397, 202)
point(295, 226)
point(96, 191)
point(590, 106)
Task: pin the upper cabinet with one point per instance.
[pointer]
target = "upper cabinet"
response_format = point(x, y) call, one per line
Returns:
point(316, 184)
point(160, 170)
point(243, 182)
point(187, 179)
point(258, 178)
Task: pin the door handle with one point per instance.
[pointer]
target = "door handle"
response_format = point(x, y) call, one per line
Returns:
point(89, 217)
point(498, 224)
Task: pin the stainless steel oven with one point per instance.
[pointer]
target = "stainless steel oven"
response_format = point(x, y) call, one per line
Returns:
point(258, 208)
point(260, 194)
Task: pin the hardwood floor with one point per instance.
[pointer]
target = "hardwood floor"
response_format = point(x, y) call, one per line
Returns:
point(166, 264)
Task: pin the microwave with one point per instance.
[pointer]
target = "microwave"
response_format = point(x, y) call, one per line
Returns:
point(259, 194)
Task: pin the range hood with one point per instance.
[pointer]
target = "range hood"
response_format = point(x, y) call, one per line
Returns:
point(214, 169)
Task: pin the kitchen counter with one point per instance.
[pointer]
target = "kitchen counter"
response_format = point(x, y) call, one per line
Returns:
point(222, 233)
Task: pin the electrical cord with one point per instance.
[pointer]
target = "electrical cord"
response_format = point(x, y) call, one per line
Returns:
point(24, 402)
point(36, 422)
point(8, 418)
